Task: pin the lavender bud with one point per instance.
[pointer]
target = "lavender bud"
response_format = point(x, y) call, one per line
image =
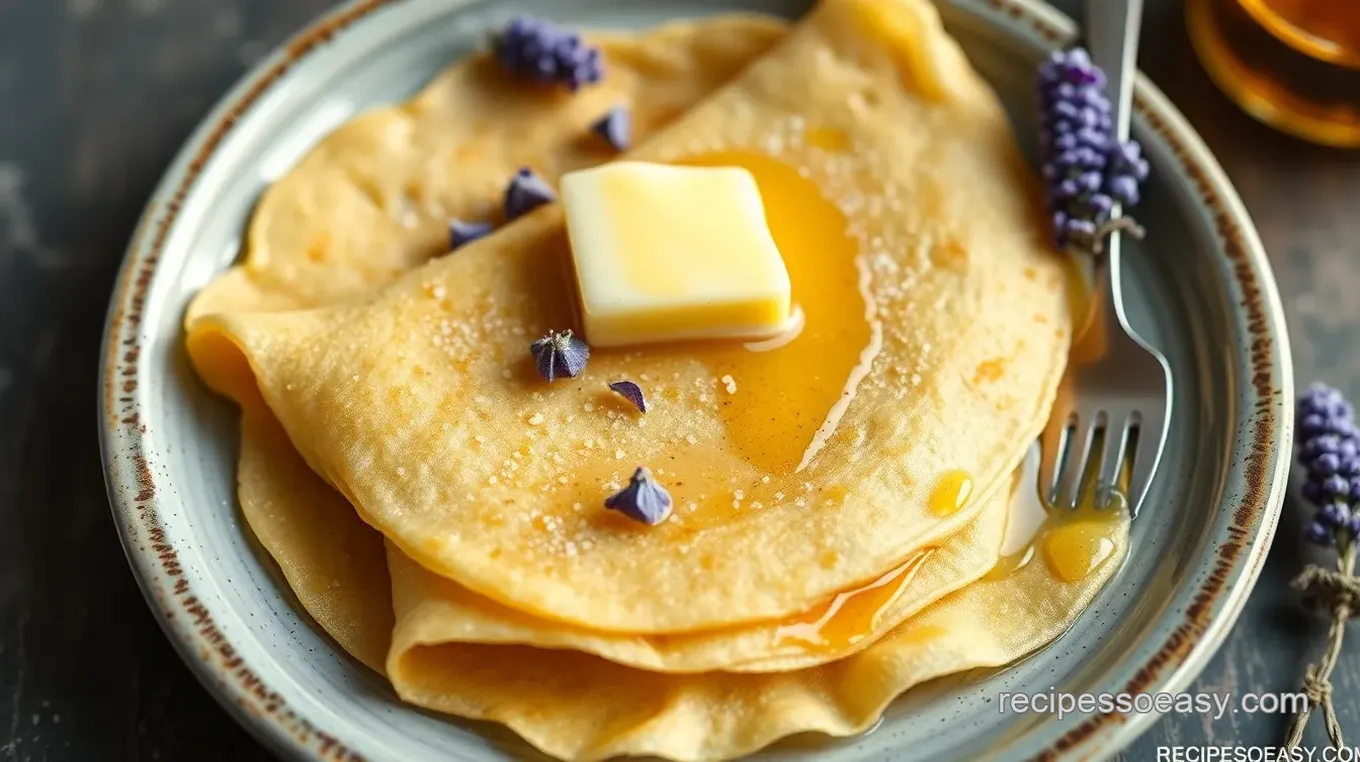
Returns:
point(559, 355)
point(1325, 464)
point(642, 500)
point(1333, 515)
point(1124, 188)
point(1317, 533)
point(1334, 487)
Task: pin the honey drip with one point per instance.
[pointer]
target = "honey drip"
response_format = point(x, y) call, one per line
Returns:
point(854, 614)
point(1077, 548)
point(1071, 543)
point(785, 397)
point(952, 493)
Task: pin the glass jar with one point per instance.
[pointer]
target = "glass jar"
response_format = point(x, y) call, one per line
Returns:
point(1293, 64)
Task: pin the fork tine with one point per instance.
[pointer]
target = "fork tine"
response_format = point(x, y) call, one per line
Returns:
point(1074, 464)
point(1111, 463)
point(1053, 443)
point(1151, 439)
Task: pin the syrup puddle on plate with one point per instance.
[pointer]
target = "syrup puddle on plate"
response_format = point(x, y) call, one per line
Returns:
point(1071, 544)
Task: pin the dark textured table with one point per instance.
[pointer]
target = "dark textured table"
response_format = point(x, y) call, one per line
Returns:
point(96, 96)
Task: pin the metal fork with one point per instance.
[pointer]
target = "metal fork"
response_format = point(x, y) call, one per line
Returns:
point(1120, 402)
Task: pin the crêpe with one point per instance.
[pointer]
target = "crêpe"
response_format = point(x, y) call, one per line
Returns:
point(327, 552)
point(578, 707)
point(419, 404)
point(437, 612)
point(346, 220)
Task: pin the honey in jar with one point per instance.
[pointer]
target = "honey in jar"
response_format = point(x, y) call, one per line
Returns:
point(1293, 64)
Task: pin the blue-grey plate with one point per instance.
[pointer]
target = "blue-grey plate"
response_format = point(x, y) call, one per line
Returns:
point(1201, 290)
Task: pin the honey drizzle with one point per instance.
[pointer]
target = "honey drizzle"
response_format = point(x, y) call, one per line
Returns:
point(790, 398)
point(851, 615)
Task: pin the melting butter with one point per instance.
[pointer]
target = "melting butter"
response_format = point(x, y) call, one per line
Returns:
point(780, 400)
point(647, 273)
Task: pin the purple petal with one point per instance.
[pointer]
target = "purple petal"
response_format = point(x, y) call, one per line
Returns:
point(631, 392)
point(615, 127)
point(462, 233)
point(526, 192)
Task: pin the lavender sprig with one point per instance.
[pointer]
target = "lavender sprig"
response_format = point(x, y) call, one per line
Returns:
point(1329, 452)
point(539, 50)
point(1086, 170)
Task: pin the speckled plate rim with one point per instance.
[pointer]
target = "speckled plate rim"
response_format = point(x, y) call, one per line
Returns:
point(1194, 626)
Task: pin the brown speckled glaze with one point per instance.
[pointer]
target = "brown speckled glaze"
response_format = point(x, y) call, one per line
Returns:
point(191, 627)
point(188, 623)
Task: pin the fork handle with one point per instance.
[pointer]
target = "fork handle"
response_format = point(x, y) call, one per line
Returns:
point(1112, 40)
point(1112, 28)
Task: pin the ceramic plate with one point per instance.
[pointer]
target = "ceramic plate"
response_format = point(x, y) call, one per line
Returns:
point(1201, 290)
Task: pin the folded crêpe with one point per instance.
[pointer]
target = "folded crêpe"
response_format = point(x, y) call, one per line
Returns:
point(327, 553)
point(373, 200)
point(436, 612)
point(937, 328)
point(936, 244)
point(575, 706)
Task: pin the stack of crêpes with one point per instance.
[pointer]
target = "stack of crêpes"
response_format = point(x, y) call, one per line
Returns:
point(840, 501)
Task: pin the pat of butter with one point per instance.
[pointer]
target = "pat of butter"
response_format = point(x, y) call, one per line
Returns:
point(667, 253)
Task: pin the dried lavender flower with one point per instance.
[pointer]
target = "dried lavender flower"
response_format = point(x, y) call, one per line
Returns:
point(462, 233)
point(539, 50)
point(631, 392)
point(559, 355)
point(642, 500)
point(1086, 170)
point(616, 127)
point(1330, 454)
point(1329, 451)
point(525, 193)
